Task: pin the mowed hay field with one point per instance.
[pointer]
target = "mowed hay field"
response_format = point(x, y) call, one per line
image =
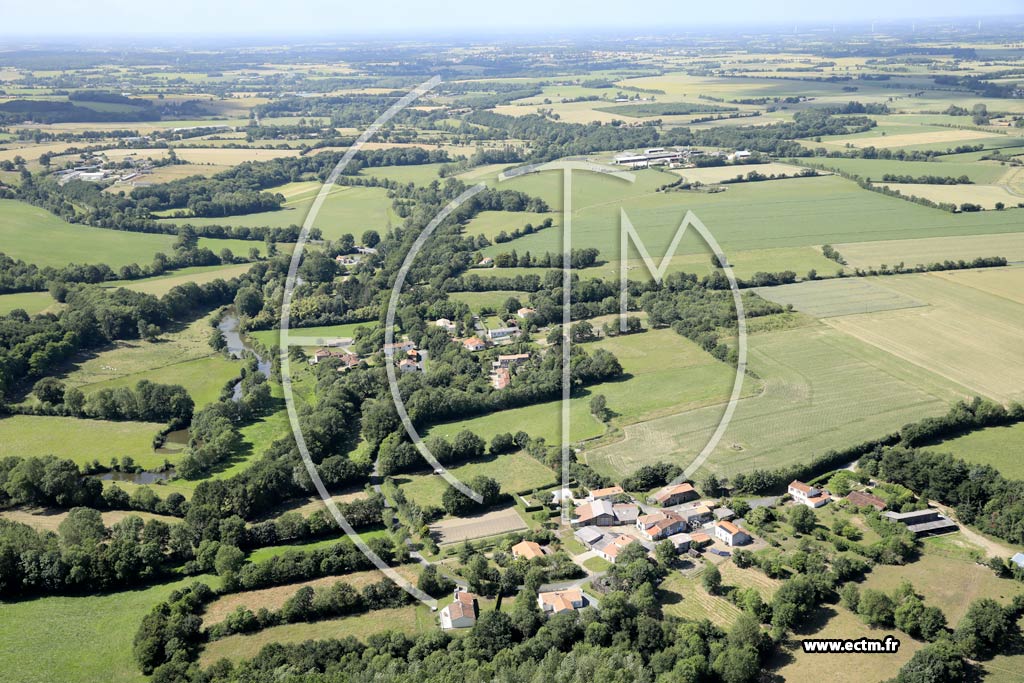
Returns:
point(490, 223)
point(835, 621)
point(966, 334)
point(928, 250)
point(64, 639)
point(666, 373)
point(828, 298)
point(981, 172)
point(514, 471)
point(413, 619)
point(160, 285)
point(986, 196)
point(822, 390)
point(30, 302)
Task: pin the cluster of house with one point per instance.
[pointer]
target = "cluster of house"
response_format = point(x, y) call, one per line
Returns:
point(348, 360)
point(688, 527)
point(411, 358)
point(501, 369)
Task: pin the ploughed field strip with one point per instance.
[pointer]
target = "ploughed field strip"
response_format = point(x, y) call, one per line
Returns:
point(844, 296)
point(457, 529)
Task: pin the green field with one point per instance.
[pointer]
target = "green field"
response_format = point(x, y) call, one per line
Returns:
point(747, 217)
point(179, 357)
point(999, 447)
point(490, 223)
point(269, 338)
point(828, 298)
point(37, 236)
point(822, 390)
point(161, 284)
point(30, 302)
point(515, 472)
point(420, 174)
point(665, 373)
point(65, 639)
point(80, 440)
point(412, 620)
point(346, 210)
point(494, 299)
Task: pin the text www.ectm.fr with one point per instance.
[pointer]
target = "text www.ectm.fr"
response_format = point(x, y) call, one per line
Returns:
point(888, 645)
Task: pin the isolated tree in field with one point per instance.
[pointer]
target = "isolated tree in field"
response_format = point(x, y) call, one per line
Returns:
point(712, 579)
point(583, 331)
point(599, 407)
point(802, 519)
point(984, 628)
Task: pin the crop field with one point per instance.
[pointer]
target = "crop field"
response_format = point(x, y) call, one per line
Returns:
point(230, 156)
point(664, 373)
point(160, 285)
point(490, 223)
point(843, 296)
point(80, 440)
point(1007, 283)
point(346, 210)
point(986, 196)
point(966, 335)
point(747, 216)
point(930, 250)
point(684, 595)
point(982, 172)
point(918, 137)
point(412, 620)
point(37, 236)
point(79, 638)
point(514, 471)
point(716, 174)
point(30, 302)
point(49, 519)
point(999, 447)
point(821, 388)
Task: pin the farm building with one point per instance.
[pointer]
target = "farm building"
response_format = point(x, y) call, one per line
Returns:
point(681, 542)
point(730, 534)
point(603, 494)
point(589, 535)
point(696, 516)
point(923, 522)
point(500, 333)
point(724, 514)
point(462, 612)
point(699, 539)
point(556, 602)
point(626, 513)
point(511, 360)
point(674, 495)
point(527, 549)
point(596, 513)
point(863, 499)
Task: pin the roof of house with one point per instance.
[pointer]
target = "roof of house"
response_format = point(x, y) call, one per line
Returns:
point(561, 601)
point(514, 356)
point(1018, 559)
point(464, 605)
point(699, 510)
point(913, 514)
point(863, 499)
point(465, 597)
point(625, 512)
point(722, 513)
point(670, 491)
point(799, 486)
point(731, 528)
point(589, 534)
point(680, 539)
point(594, 509)
point(610, 491)
point(615, 546)
point(473, 341)
point(527, 549)
point(700, 537)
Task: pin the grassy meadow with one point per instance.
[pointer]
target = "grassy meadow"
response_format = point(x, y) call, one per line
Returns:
point(514, 471)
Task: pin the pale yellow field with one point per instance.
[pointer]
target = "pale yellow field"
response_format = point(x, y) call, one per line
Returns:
point(907, 139)
point(1004, 282)
point(930, 250)
point(216, 155)
point(49, 519)
point(967, 335)
point(984, 195)
point(716, 174)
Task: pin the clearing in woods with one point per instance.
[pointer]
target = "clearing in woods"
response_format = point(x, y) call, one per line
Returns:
point(513, 471)
point(965, 334)
point(842, 296)
point(821, 388)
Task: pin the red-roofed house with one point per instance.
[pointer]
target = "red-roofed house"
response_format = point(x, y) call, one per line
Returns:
point(527, 549)
point(863, 499)
point(811, 496)
point(660, 524)
point(674, 495)
point(462, 612)
point(602, 494)
point(555, 602)
point(474, 344)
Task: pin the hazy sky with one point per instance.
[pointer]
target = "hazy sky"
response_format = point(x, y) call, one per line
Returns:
point(347, 17)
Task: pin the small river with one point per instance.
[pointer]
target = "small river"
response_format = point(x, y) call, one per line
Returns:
point(178, 439)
